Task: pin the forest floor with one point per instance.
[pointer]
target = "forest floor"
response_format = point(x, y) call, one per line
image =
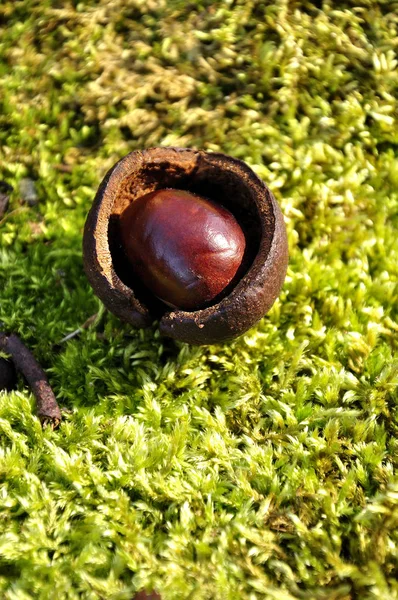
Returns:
point(263, 468)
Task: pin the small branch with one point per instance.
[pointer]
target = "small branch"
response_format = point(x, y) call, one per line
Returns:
point(70, 336)
point(48, 410)
point(78, 331)
point(8, 375)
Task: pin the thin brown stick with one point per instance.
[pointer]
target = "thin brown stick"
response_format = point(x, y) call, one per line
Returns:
point(48, 410)
point(63, 168)
point(8, 375)
point(78, 331)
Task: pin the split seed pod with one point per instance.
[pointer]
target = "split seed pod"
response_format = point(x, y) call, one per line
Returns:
point(220, 178)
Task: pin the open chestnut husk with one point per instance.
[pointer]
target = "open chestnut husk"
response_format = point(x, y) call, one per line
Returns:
point(219, 178)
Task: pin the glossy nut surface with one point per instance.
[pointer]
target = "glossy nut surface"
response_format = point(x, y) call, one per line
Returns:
point(211, 175)
point(185, 248)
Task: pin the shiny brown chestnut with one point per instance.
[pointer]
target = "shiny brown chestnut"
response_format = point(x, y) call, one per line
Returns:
point(183, 247)
point(223, 180)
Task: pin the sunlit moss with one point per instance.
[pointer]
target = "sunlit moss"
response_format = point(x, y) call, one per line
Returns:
point(260, 469)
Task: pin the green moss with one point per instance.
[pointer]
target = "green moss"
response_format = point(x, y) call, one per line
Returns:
point(260, 469)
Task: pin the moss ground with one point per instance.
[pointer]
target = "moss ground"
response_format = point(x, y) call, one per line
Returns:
point(259, 469)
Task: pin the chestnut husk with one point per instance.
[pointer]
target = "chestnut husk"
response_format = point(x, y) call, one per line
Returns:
point(219, 177)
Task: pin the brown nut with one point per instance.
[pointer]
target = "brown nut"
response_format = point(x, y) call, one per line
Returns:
point(222, 179)
point(186, 249)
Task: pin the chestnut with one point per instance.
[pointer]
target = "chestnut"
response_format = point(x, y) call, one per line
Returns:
point(122, 265)
point(185, 248)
